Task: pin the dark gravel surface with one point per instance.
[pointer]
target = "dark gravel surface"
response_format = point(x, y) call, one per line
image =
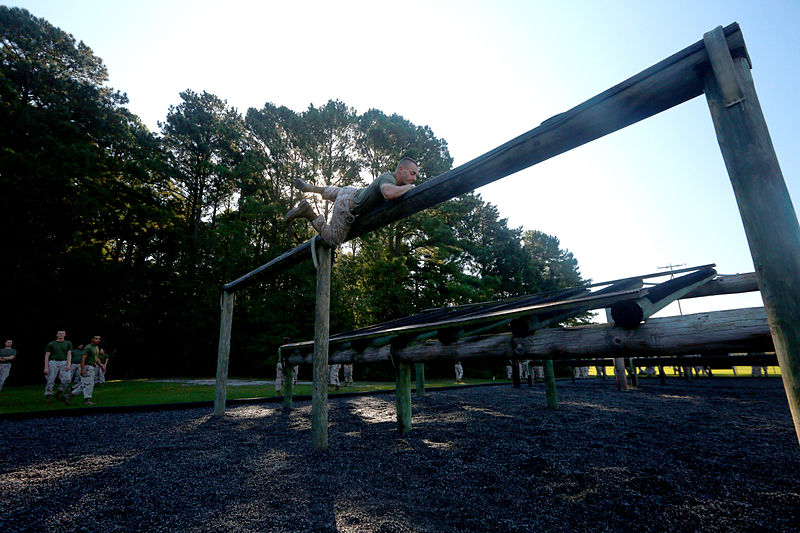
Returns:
point(710, 455)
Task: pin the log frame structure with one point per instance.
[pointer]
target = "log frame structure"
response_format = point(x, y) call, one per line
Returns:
point(717, 66)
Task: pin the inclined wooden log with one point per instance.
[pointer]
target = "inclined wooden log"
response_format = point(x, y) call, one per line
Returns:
point(658, 88)
point(768, 215)
point(223, 353)
point(734, 330)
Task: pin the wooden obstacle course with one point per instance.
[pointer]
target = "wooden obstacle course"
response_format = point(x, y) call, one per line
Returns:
point(717, 66)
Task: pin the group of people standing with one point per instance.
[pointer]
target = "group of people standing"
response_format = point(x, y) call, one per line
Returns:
point(78, 370)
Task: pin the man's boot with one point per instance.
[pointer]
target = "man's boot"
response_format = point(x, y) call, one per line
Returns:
point(302, 185)
point(303, 210)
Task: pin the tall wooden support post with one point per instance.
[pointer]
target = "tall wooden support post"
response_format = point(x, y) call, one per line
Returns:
point(419, 374)
point(223, 353)
point(288, 384)
point(619, 363)
point(550, 384)
point(768, 215)
point(662, 375)
point(322, 320)
point(403, 395)
point(634, 375)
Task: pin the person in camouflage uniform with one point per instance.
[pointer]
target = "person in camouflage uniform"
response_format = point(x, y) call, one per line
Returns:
point(88, 368)
point(350, 202)
point(7, 355)
point(57, 363)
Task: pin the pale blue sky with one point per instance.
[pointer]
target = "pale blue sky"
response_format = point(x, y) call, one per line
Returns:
point(480, 73)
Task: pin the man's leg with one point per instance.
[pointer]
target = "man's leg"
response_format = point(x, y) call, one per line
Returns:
point(53, 368)
point(88, 385)
point(5, 368)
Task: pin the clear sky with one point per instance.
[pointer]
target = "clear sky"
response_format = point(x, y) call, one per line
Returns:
point(480, 73)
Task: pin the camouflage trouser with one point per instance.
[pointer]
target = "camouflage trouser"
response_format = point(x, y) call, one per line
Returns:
point(509, 371)
point(75, 375)
point(99, 376)
point(336, 230)
point(348, 375)
point(333, 377)
point(278, 377)
point(294, 374)
point(87, 383)
point(5, 368)
point(56, 369)
point(459, 372)
point(538, 372)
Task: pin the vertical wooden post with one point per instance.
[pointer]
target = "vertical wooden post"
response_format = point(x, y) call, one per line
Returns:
point(662, 375)
point(768, 215)
point(419, 374)
point(634, 375)
point(550, 384)
point(619, 373)
point(319, 388)
point(619, 363)
point(223, 353)
point(403, 395)
point(515, 372)
point(288, 384)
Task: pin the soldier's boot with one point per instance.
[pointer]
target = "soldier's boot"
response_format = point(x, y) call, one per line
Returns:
point(303, 210)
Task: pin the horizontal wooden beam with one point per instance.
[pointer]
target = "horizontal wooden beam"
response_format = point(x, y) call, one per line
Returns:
point(658, 88)
point(727, 284)
point(714, 361)
point(731, 331)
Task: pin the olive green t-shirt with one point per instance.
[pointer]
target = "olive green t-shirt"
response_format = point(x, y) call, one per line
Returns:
point(76, 356)
point(102, 357)
point(58, 350)
point(7, 352)
point(91, 352)
point(371, 197)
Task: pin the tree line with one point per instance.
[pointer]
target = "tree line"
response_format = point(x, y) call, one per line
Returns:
point(112, 229)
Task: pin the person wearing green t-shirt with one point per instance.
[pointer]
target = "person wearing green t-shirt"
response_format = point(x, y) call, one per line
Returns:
point(57, 355)
point(88, 364)
point(75, 367)
point(100, 373)
point(7, 355)
point(350, 202)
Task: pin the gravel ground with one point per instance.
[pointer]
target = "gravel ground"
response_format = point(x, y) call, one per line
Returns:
point(710, 455)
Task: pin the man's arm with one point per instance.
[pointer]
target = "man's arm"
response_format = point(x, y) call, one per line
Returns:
point(392, 192)
point(83, 364)
point(46, 363)
point(69, 359)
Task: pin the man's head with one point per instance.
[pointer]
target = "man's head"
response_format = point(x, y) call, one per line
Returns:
point(60, 334)
point(406, 172)
point(9, 342)
point(96, 340)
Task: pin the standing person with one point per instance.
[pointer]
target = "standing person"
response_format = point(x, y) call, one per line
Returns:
point(350, 202)
point(88, 364)
point(102, 362)
point(57, 356)
point(459, 371)
point(601, 371)
point(509, 369)
point(75, 367)
point(348, 375)
point(7, 355)
point(333, 376)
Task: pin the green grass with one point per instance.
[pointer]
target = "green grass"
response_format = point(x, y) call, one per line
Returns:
point(30, 398)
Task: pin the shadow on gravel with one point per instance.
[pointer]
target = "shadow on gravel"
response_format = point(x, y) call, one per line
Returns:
point(712, 455)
